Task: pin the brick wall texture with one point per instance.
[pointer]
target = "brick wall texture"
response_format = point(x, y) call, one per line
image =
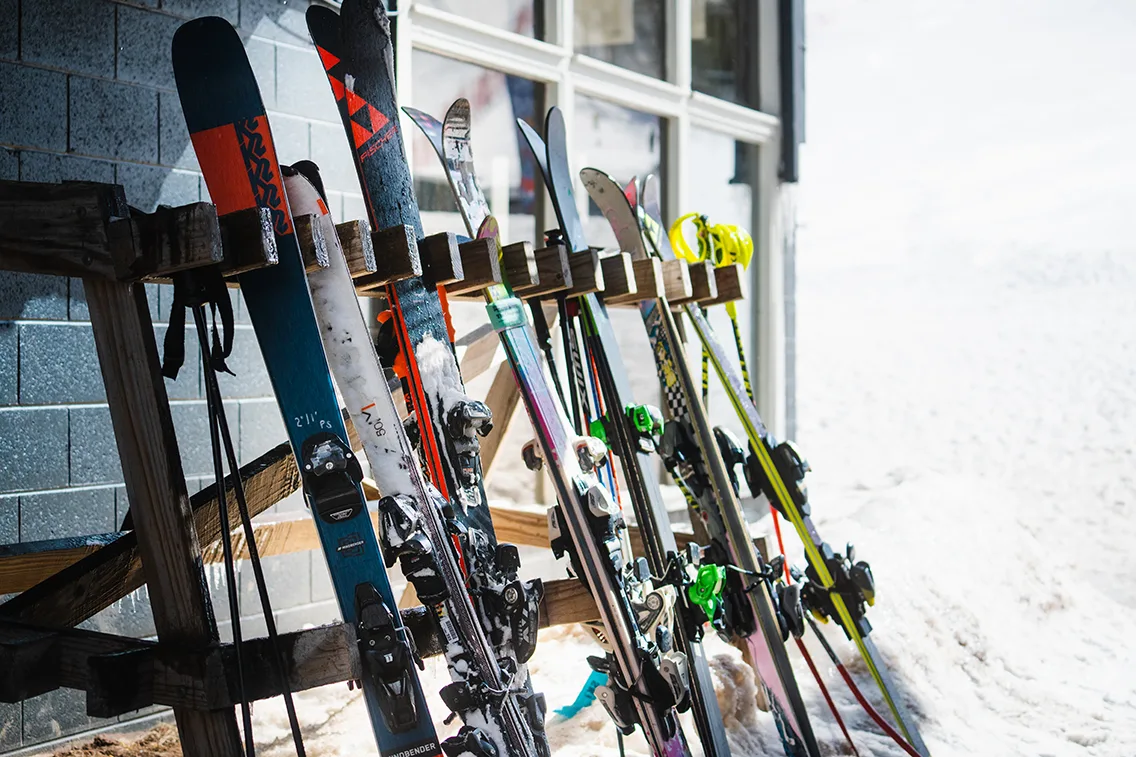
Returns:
point(87, 93)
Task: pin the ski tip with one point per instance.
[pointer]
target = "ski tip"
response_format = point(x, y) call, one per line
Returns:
point(459, 111)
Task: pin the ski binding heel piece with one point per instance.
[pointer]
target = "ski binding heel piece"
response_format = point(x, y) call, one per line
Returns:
point(591, 453)
point(469, 742)
point(465, 421)
point(385, 655)
point(404, 538)
point(331, 476)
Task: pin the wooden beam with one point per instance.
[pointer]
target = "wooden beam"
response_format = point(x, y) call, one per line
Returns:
point(518, 265)
point(480, 265)
point(703, 284)
point(587, 276)
point(731, 285)
point(249, 240)
point(155, 484)
point(358, 251)
point(169, 240)
point(98, 580)
point(618, 275)
point(441, 258)
point(60, 229)
point(313, 246)
point(553, 272)
point(396, 258)
point(648, 284)
point(676, 281)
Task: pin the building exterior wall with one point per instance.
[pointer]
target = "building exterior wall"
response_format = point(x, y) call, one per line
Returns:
point(87, 93)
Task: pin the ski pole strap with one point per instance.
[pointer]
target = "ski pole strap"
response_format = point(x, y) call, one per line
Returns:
point(203, 286)
point(586, 696)
point(721, 244)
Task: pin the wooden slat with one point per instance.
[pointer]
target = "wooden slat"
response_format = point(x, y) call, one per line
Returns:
point(358, 251)
point(731, 285)
point(518, 265)
point(618, 275)
point(248, 239)
point(313, 246)
point(587, 276)
point(553, 272)
point(441, 258)
point(159, 244)
point(396, 258)
point(676, 281)
point(648, 284)
point(480, 266)
point(703, 284)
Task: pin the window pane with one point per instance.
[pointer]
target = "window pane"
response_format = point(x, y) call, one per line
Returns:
point(517, 16)
point(619, 141)
point(505, 168)
point(627, 33)
point(724, 49)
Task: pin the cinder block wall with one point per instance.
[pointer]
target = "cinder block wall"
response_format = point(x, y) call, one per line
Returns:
point(87, 93)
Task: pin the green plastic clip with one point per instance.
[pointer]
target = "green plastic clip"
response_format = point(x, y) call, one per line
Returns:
point(646, 419)
point(706, 591)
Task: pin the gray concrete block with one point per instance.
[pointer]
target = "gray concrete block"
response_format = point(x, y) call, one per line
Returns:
point(332, 154)
point(77, 309)
point(354, 208)
point(191, 424)
point(94, 451)
point(188, 384)
point(160, 297)
point(114, 120)
point(290, 135)
point(130, 616)
point(33, 446)
point(31, 296)
point(76, 512)
point(175, 147)
point(250, 377)
point(262, 428)
point(276, 20)
point(147, 187)
point(41, 119)
point(59, 363)
point(9, 48)
point(262, 57)
point(9, 363)
point(322, 588)
point(144, 47)
point(227, 9)
point(121, 505)
point(288, 578)
point(52, 168)
point(76, 35)
point(239, 310)
point(9, 164)
point(302, 88)
point(9, 527)
point(55, 714)
point(11, 726)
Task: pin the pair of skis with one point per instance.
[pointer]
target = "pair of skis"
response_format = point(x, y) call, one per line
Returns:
point(420, 528)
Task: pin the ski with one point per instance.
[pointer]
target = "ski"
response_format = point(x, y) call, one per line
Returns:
point(356, 52)
point(836, 585)
point(413, 530)
point(230, 134)
point(646, 676)
point(701, 461)
point(631, 438)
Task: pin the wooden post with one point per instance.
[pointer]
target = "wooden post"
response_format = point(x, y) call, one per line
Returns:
point(155, 483)
point(480, 266)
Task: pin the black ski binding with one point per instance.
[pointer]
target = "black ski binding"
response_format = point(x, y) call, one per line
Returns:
point(385, 654)
point(466, 421)
point(404, 538)
point(469, 741)
point(331, 476)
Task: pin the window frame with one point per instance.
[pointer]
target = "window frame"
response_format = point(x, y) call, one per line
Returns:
point(565, 73)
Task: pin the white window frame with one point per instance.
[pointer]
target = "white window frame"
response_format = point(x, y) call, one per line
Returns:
point(555, 63)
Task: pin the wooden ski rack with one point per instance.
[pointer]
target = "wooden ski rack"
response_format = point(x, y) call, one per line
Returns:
point(86, 230)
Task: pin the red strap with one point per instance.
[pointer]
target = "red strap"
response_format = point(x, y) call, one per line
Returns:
point(827, 697)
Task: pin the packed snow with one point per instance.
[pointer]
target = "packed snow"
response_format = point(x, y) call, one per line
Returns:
point(966, 380)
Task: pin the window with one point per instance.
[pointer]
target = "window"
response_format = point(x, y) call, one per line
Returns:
point(723, 49)
point(621, 142)
point(627, 33)
point(505, 167)
point(516, 16)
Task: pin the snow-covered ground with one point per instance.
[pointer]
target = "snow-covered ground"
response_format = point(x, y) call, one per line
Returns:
point(967, 383)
